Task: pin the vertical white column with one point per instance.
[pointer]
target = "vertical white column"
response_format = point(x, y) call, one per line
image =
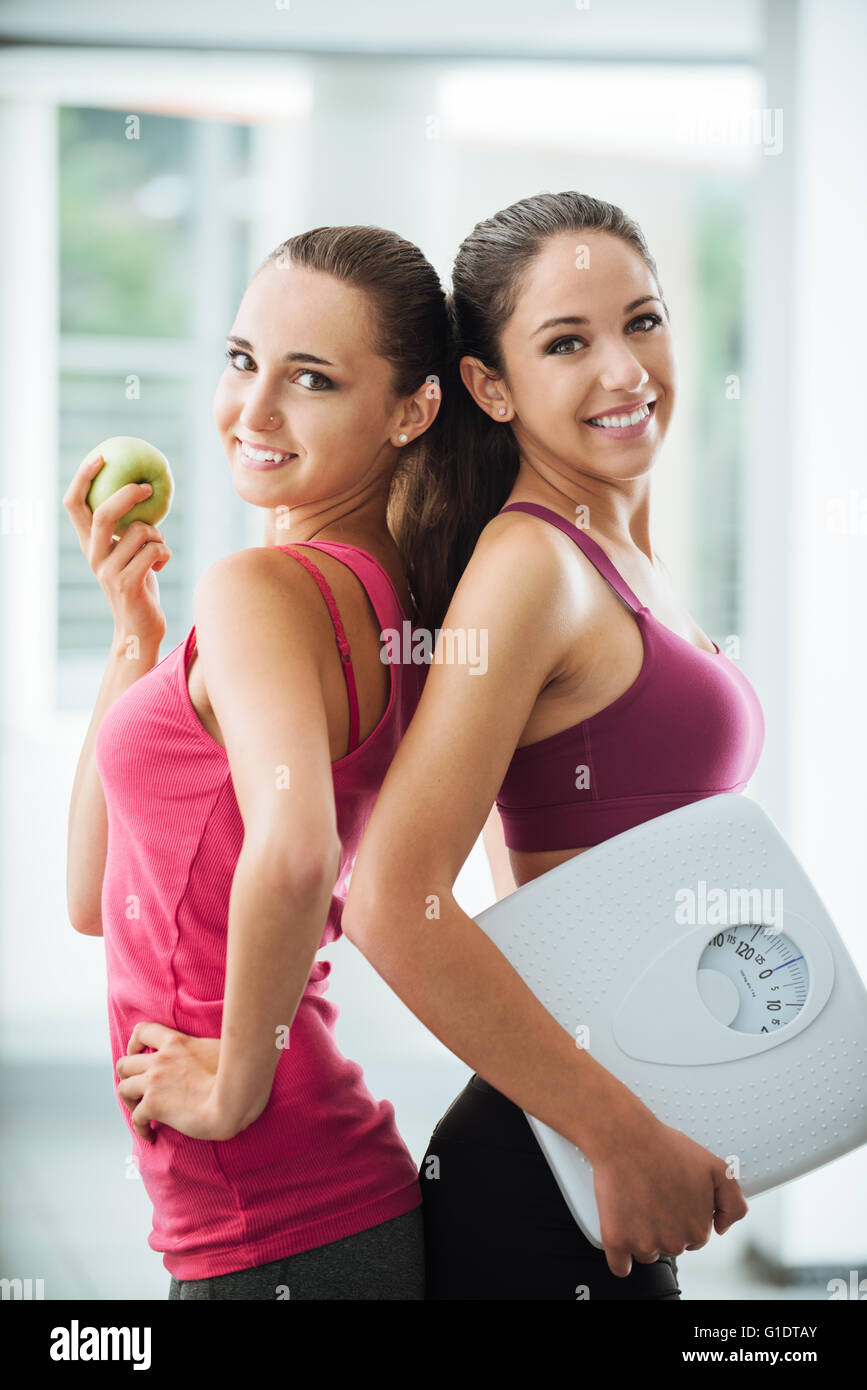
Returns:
point(828, 735)
point(34, 766)
point(807, 520)
point(828, 748)
point(364, 109)
point(28, 410)
point(768, 393)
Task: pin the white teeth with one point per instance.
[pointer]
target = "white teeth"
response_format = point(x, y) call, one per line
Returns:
point(622, 422)
point(260, 455)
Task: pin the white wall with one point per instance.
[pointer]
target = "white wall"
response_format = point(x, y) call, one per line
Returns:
point(553, 27)
point(822, 590)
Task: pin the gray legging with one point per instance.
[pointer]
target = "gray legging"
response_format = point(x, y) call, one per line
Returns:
point(385, 1261)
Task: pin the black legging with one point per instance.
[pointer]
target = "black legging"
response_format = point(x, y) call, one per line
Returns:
point(496, 1224)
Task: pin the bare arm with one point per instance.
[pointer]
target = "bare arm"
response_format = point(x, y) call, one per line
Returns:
point(261, 630)
point(126, 570)
point(400, 909)
point(87, 838)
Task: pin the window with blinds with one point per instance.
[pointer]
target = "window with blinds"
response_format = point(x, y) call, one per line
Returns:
point(141, 311)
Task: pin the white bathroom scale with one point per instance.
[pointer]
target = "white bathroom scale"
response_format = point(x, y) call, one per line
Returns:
point(695, 960)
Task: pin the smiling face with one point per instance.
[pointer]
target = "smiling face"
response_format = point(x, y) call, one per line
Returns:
point(303, 381)
point(585, 342)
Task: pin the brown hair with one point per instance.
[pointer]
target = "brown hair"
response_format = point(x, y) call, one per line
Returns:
point(447, 505)
point(412, 333)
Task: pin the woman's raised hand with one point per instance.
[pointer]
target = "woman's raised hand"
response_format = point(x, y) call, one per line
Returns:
point(126, 567)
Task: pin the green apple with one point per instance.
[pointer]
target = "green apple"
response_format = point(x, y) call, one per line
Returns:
point(131, 460)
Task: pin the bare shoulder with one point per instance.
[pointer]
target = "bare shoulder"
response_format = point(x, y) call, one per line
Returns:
point(242, 575)
point(531, 565)
point(519, 587)
point(261, 585)
point(512, 541)
point(250, 567)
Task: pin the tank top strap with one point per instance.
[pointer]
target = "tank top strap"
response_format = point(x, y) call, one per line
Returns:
point(594, 552)
point(342, 640)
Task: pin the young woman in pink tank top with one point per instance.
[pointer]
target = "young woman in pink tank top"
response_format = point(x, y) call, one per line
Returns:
point(222, 791)
point(602, 704)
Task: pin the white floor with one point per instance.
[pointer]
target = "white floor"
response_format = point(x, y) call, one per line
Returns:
point(74, 1213)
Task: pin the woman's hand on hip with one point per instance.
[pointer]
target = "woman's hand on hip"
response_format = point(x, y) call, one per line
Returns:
point(174, 1084)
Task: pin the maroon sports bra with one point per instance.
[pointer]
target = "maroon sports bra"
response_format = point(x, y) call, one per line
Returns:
point(688, 727)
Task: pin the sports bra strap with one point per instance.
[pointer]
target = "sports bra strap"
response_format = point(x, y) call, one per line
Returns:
point(342, 641)
point(594, 552)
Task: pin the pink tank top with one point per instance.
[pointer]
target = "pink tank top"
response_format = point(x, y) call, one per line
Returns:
point(324, 1160)
point(689, 726)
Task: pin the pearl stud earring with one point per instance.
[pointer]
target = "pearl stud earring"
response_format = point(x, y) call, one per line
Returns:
point(403, 438)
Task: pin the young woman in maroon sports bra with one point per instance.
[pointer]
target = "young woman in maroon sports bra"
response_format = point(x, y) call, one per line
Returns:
point(603, 704)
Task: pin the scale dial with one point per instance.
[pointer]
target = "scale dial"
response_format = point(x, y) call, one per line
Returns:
point(753, 978)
